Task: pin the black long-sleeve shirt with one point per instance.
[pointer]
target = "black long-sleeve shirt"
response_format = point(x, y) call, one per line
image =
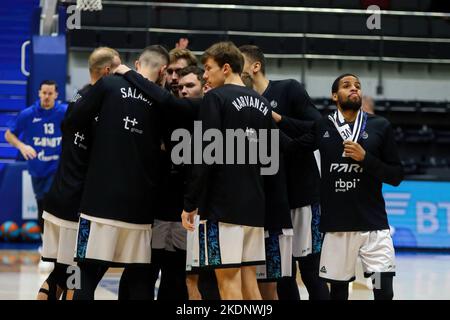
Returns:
point(351, 191)
point(182, 113)
point(124, 169)
point(64, 197)
point(231, 193)
point(289, 99)
point(177, 113)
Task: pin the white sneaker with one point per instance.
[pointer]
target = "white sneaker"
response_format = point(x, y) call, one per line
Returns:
point(45, 266)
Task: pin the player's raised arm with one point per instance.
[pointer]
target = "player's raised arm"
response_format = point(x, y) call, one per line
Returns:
point(306, 141)
point(175, 106)
point(291, 126)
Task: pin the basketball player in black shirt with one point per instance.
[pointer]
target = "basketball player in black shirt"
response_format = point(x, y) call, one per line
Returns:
point(62, 202)
point(167, 100)
point(358, 154)
point(120, 194)
point(230, 197)
point(292, 104)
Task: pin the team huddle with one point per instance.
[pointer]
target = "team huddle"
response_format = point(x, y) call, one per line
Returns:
point(233, 222)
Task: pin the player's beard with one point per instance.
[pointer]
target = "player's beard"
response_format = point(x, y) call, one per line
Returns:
point(247, 80)
point(350, 105)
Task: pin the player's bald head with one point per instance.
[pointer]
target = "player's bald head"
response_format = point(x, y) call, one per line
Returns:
point(103, 57)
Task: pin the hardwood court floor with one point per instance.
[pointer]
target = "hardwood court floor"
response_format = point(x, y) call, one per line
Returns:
point(419, 276)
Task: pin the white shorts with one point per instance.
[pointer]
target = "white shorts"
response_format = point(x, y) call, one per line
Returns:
point(168, 235)
point(224, 245)
point(113, 242)
point(278, 256)
point(59, 239)
point(341, 250)
point(307, 237)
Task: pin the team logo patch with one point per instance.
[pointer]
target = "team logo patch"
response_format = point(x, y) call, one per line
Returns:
point(273, 104)
point(323, 269)
point(75, 97)
point(251, 134)
point(326, 134)
point(365, 135)
point(133, 122)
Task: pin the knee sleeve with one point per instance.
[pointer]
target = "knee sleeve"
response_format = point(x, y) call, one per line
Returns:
point(173, 276)
point(139, 283)
point(287, 287)
point(339, 291)
point(309, 271)
point(128, 280)
point(90, 275)
point(207, 285)
point(61, 275)
point(383, 286)
point(52, 284)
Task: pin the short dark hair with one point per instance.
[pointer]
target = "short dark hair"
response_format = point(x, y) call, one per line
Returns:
point(225, 52)
point(255, 54)
point(49, 83)
point(158, 50)
point(335, 86)
point(195, 70)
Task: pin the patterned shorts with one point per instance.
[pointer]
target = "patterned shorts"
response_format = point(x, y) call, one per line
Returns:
point(224, 245)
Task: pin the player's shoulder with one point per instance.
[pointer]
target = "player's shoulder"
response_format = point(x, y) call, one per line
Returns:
point(60, 107)
point(29, 111)
point(245, 91)
point(80, 93)
point(230, 91)
point(378, 121)
point(226, 88)
point(112, 81)
point(84, 90)
point(287, 83)
point(324, 120)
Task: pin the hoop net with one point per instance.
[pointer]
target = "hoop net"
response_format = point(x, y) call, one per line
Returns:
point(89, 5)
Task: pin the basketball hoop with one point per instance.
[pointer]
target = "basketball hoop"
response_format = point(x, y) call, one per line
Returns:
point(89, 5)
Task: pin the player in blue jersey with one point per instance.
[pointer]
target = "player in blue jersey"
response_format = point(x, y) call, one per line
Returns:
point(36, 133)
